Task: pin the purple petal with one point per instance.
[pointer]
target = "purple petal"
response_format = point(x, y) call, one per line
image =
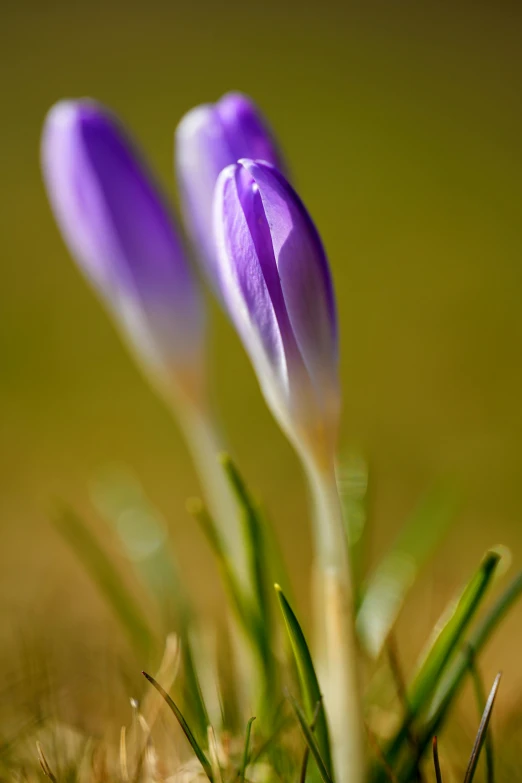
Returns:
point(247, 294)
point(276, 281)
point(303, 271)
point(209, 138)
point(118, 228)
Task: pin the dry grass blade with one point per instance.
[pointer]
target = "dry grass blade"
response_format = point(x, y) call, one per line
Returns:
point(44, 764)
point(124, 768)
point(481, 703)
point(436, 762)
point(481, 734)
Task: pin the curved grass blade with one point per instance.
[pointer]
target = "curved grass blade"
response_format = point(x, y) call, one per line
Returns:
point(482, 732)
point(310, 691)
point(450, 686)
point(258, 569)
point(386, 589)
point(253, 533)
point(310, 739)
point(96, 562)
point(192, 693)
point(242, 610)
point(436, 762)
point(246, 752)
point(449, 633)
point(205, 763)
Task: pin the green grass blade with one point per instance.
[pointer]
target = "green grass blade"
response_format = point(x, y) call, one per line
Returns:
point(449, 633)
point(257, 567)
point(310, 691)
point(386, 589)
point(205, 763)
point(193, 700)
point(482, 732)
point(253, 534)
point(310, 740)
point(246, 752)
point(238, 601)
point(107, 579)
point(450, 686)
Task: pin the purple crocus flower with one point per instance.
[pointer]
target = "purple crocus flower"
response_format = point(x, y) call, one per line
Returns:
point(209, 138)
point(119, 230)
point(278, 290)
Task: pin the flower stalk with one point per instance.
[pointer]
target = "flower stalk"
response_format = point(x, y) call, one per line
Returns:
point(334, 625)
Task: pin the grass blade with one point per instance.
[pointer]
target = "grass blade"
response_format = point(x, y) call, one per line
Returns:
point(450, 686)
point(253, 534)
point(205, 763)
point(257, 567)
point(386, 589)
point(246, 752)
point(448, 635)
point(109, 582)
point(310, 691)
point(481, 703)
point(482, 732)
point(436, 762)
point(238, 601)
point(310, 739)
point(306, 754)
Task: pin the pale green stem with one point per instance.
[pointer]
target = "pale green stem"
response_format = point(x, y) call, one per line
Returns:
point(335, 627)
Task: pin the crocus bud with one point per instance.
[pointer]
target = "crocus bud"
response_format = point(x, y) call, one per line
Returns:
point(278, 290)
point(119, 230)
point(209, 138)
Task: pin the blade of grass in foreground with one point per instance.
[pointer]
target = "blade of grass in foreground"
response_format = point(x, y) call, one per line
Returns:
point(482, 732)
point(480, 697)
point(238, 601)
point(96, 562)
point(310, 740)
point(386, 589)
point(246, 752)
point(310, 691)
point(451, 684)
point(205, 763)
point(448, 635)
point(257, 567)
point(436, 762)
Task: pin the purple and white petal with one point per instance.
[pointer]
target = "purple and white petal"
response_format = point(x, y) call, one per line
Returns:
point(277, 287)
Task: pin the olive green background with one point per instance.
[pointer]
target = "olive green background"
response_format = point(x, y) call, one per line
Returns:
point(402, 124)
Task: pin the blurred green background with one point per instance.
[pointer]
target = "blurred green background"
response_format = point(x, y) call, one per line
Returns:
point(402, 123)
